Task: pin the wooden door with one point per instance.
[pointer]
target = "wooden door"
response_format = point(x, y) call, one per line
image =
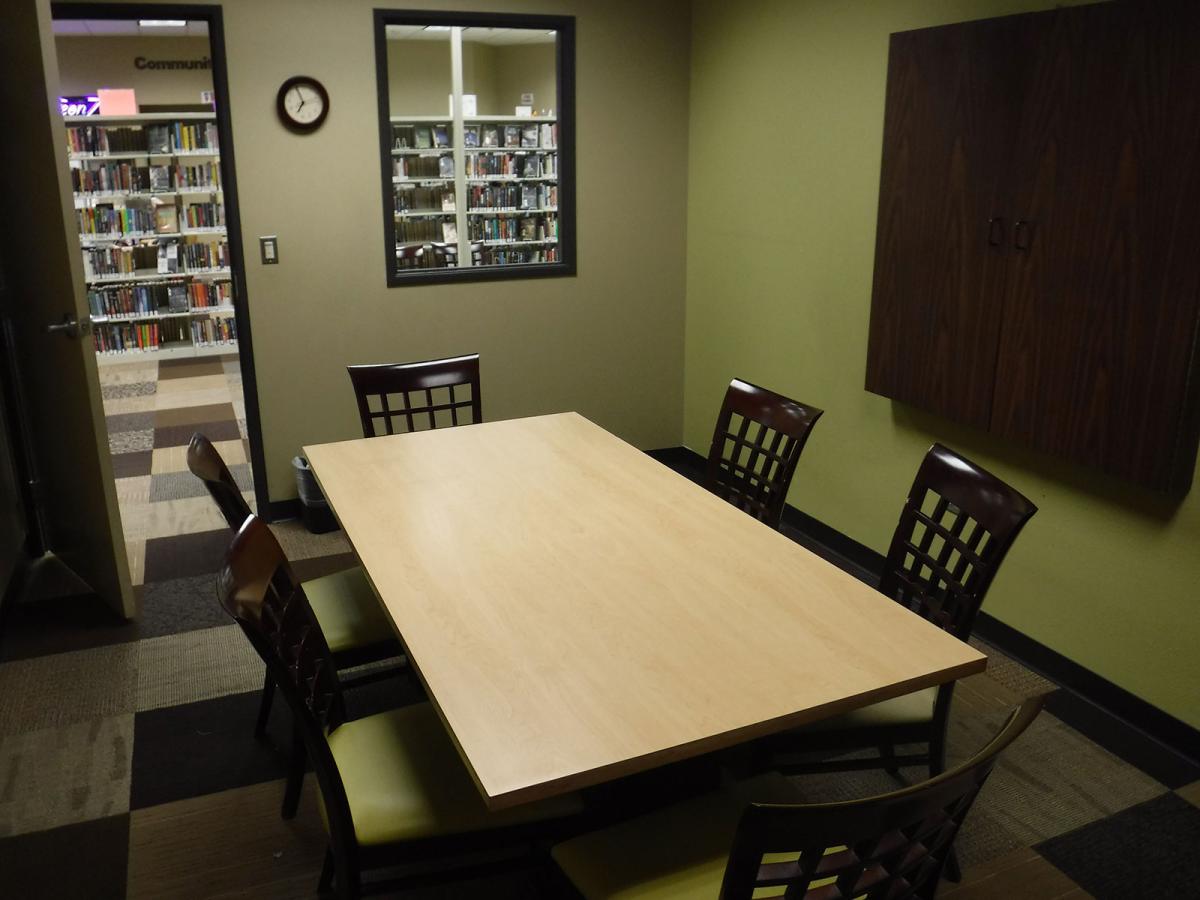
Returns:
point(1099, 330)
point(76, 491)
point(953, 106)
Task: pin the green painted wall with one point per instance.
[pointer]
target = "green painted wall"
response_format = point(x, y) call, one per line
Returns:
point(786, 127)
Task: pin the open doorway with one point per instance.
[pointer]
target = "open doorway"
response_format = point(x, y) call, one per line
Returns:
point(146, 109)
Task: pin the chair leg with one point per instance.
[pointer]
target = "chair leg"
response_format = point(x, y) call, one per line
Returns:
point(887, 752)
point(325, 885)
point(264, 706)
point(295, 776)
point(937, 765)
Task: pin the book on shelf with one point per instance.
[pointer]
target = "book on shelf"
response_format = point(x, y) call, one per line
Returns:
point(491, 136)
point(168, 258)
point(447, 201)
point(166, 219)
point(177, 297)
point(449, 232)
point(160, 178)
point(529, 230)
point(403, 137)
point(423, 137)
point(512, 136)
point(471, 136)
point(441, 136)
point(158, 139)
point(529, 135)
point(446, 166)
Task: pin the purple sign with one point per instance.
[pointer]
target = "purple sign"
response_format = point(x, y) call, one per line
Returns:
point(88, 105)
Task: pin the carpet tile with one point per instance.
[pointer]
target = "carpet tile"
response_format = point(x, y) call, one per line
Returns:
point(196, 665)
point(235, 837)
point(181, 485)
point(66, 688)
point(127, 465)
point(205, 747)
point(1149, 850)
point(131, 441)
point(131, 421)
point(179, 435)
point(83, 861)
point(122, 390)
point(186, 555)
point(61, 776)
point(189, 415)
point(179, 605)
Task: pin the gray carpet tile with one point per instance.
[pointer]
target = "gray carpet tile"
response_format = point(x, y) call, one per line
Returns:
point(66, 688)
point(298, 543)
point(196, 665)
point(179, 485)
point(1149, 850)
point(61, 776)
point(131, 389)
point(131, 441)
point(181, 604)
point(134, 421)
point(1021, 681)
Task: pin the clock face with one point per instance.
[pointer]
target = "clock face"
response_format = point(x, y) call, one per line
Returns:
point(302, 104)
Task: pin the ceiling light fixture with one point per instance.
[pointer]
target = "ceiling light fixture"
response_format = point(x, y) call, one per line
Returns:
point(437, 27)
point(162, 23)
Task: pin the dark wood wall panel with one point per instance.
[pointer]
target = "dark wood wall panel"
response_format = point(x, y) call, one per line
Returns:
point(1101, 309)
point(1080, 127)
point(951, 124)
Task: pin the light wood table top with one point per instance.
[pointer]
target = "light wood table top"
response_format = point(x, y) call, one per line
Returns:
point(579, 612)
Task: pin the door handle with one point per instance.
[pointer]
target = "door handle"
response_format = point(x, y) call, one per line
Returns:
point(995, 231)
point(1023, 227)
point(70, 326)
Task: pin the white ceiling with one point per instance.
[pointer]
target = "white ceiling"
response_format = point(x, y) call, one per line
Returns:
point(494, 36)
point(125, 28)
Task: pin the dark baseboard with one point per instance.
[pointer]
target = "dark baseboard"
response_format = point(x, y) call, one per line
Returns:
point(279, 510)
point(1158, 743)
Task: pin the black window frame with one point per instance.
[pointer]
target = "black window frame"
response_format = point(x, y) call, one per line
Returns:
point(564, 26)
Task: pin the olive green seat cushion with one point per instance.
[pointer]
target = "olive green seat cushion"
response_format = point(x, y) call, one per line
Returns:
point(350, 614)
point(676, 853)
point(404, 780)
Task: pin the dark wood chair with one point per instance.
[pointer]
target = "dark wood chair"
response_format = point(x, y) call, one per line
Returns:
point(358, 629)
point(446, 254)
point(741, 842)
point(393, 788)
point(753, 457)
point(955, 529)
point(428, 394)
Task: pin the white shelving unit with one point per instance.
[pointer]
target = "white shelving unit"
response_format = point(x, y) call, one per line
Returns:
point(184, 339)
point(485, 235)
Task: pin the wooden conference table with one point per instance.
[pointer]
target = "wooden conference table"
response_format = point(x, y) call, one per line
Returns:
point(579, 612)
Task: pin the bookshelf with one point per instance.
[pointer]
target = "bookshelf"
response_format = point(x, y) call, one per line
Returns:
point(501, 174)
point(149, 207)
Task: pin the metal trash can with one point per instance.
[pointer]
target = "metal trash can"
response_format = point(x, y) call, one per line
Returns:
point(314, 508)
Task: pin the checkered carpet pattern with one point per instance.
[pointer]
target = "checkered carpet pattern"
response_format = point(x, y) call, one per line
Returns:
point(128, 766)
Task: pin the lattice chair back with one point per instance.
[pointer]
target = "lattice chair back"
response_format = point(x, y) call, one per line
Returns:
point(257, 587)
point(957, 525)
point(755, 447)
point(892, 846)
point(417, 396)
point(206, 464)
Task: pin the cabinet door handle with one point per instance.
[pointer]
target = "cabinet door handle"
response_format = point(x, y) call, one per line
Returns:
point(995, 231)
point(1022, 228)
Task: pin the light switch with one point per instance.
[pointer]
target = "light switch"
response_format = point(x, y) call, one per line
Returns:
point(269, 247)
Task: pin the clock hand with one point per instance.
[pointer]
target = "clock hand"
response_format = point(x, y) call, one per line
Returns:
point(300, 94)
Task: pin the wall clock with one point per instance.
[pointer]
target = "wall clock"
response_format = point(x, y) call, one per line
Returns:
point(302, 104)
